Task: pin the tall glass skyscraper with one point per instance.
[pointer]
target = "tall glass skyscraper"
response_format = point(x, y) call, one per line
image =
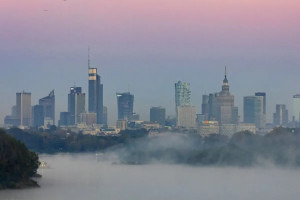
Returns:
point(254, 110)
point(125, 105)
point(95, 95)
point(182, 94)
point(296, 107)
point(76, 104)
point(23, 108)
point(48, 104)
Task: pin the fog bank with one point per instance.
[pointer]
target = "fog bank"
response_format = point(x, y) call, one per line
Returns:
point(91, 176)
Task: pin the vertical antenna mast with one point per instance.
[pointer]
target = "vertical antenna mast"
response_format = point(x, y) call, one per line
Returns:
point(89, 58)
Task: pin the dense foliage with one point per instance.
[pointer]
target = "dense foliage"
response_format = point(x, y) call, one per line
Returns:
point(17, 163)
point(279, 147)
point(56, 140)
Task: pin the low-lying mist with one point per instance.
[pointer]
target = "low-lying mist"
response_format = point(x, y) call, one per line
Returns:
point(94, 177)
point(245, 149)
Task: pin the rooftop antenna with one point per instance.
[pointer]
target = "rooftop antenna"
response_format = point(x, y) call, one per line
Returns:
point(225, 71)
point(89, 57)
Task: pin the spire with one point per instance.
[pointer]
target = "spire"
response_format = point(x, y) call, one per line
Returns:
point(225, 79)
point(89, 57)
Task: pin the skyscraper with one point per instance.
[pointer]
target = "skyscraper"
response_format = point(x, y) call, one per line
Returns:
point(226, 112)
point(95, 95)
point(158, 114)
point(186, 116)
point(48, 104)
point(76, 104)
point(125, 105)
point(37, 116)
point(23, 108)
point(205, 106)
point(281, 116)
point(182, 94)
point(296, 107)
point(264, 96)
point(254, 110)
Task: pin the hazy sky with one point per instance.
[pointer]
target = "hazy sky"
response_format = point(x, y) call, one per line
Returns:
point(148, 45)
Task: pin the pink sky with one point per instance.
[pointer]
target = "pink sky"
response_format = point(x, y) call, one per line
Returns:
point(132, 34)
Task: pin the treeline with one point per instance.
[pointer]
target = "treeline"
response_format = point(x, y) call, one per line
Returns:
point(17, 164)
point(279, 147)
point(57, 140)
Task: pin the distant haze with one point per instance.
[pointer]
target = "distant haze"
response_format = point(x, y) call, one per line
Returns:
point(145, 46)
point(90, 177)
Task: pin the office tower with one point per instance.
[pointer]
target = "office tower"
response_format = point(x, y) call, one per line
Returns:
point(121, 124)
point(205, 106)
point(212, 107)
point(76, 104)
point(95, 95)
point(280, 117)
point(64, 119)
point(89, 118)
point(226, 112)
point(264, 106)
point(11, 120)
point(296, 107)
point(264, 96)
point(48, 104)
point(186, 116)
point(23, 108)
point(254, 110)
point(158, 115)
point(105, 115)
point(37, 116)
point(125, 105)
point(182, 94)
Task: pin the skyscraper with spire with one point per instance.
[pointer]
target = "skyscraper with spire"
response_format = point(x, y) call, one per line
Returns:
point(95, 93)
point(226, 112)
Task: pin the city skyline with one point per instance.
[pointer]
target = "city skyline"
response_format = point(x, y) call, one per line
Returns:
point(146, 47)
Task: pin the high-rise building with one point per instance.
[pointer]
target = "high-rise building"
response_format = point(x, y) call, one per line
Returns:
point(254, 110)
point(48, 104)
point(89, 118)
point(186, 116)
point(281, 116)
point(95, 95)
point(182, 94)
point(264, 96)
point(158, 114)
point(37, 116)
point(296, 107)
point(64, 119)
point(205, 106)
point(125, 105)
point(226, 112)
point(105, 115)
point(23, 108)
point(76, 104)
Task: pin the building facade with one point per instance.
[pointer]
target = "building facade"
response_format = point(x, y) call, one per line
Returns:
point(37, 116)
point(223, 108)
point(158, 114)
point(254, 110)
point(125, 105)
point(281, 116)
point(182, 94)
point(186, 116)
point(76, 104)
point(23, 109)
point(296, 107)
point(48, 104)
point(95, 104)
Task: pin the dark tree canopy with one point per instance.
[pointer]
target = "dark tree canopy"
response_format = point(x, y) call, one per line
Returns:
point(17, 163)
